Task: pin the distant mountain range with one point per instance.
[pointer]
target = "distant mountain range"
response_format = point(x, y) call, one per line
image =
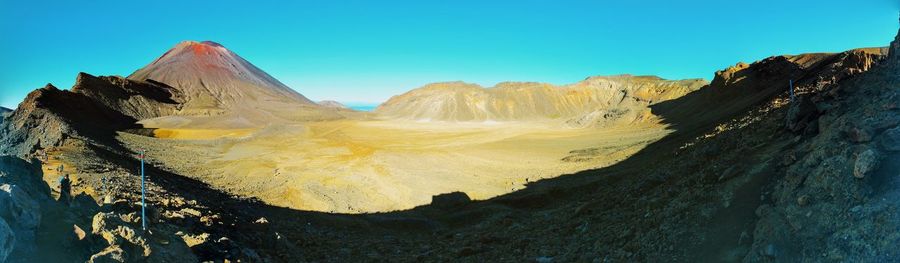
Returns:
point(596, 100)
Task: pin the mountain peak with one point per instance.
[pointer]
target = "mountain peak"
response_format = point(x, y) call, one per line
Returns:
point(201, 43)
point(215, 80)
point(203, 47)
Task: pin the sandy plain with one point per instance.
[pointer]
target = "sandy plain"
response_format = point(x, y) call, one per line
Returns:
point(362, 166)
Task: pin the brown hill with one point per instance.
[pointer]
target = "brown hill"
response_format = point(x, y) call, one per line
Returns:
point(596, 100)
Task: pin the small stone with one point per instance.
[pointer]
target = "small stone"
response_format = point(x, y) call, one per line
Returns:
point(771, 251)
point(803, 200)
point(191, 211)
point(788, 159)
point(194, 240)
point(866, 162)
point(261, 220)
point(466, 251)
point(79, 233)
point(859, 135)
point(209, 219)
point(890, 140)
point(109, 254)
point(543, 259)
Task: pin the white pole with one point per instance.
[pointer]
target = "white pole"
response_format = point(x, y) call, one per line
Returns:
point(143, 201)
point(791, 83)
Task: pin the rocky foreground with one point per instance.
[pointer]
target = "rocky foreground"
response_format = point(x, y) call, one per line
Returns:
point(751, 174)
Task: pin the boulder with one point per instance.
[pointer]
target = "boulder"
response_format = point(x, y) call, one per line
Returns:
point(450, 200)
point(191, 211)
point(194, 240)
point(84, 204)
point(799, 115)
point(111, 228)
point(866, 162)
point(110, 254)
point(21, 193)
point(859, 135)
point(210, 220)
point(18, 207)
point(26, 175)
point(7, 240)
point(134, 245)
point(890, 139)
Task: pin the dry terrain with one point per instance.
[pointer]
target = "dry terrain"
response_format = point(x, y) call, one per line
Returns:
point(353, 166)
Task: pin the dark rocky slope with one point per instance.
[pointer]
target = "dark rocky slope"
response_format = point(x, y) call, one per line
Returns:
point(94, 109)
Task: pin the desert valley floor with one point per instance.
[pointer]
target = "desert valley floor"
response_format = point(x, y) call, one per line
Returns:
point(351, 166)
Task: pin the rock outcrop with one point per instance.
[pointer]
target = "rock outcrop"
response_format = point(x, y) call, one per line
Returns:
point(586, 103)
point(845, 174)
point(3, 113)
point(127, 243)
point(890, 140)
point(7, 240)
point(94, 108)
point(736, 88)
point(894, 49)
point(332, 104)
point(22, 195)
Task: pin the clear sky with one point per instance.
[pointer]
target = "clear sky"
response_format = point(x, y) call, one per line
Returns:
point(367, 51)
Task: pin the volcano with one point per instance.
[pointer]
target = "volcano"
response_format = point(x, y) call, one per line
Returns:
point(215, 81)
point(208, 69)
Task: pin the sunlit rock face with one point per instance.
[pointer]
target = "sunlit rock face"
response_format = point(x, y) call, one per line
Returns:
point(516, 101)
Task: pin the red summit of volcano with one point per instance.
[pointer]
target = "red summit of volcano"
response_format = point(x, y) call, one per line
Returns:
point(214, 81)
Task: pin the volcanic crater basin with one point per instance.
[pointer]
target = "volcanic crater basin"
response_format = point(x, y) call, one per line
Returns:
point(363, 166)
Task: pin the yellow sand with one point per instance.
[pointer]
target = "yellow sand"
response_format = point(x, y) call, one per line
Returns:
point(51, 176)
point(195, 134)
point(354, 166)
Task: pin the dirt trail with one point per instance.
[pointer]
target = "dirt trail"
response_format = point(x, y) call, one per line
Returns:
point(52, 174)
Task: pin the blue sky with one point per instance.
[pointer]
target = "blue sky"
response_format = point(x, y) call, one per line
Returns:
point(367, 51)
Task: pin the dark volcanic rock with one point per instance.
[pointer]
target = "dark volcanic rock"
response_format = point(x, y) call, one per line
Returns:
point(866, 162)
point(736, 88)
point(95, 108)
point(858, 134)
point(894, 51)
point(136, 99)
point(890, 140)
point(450, 200)
point(22, 195)
point(800, 113)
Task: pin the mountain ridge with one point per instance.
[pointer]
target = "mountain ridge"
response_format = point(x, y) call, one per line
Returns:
point(590, 102)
